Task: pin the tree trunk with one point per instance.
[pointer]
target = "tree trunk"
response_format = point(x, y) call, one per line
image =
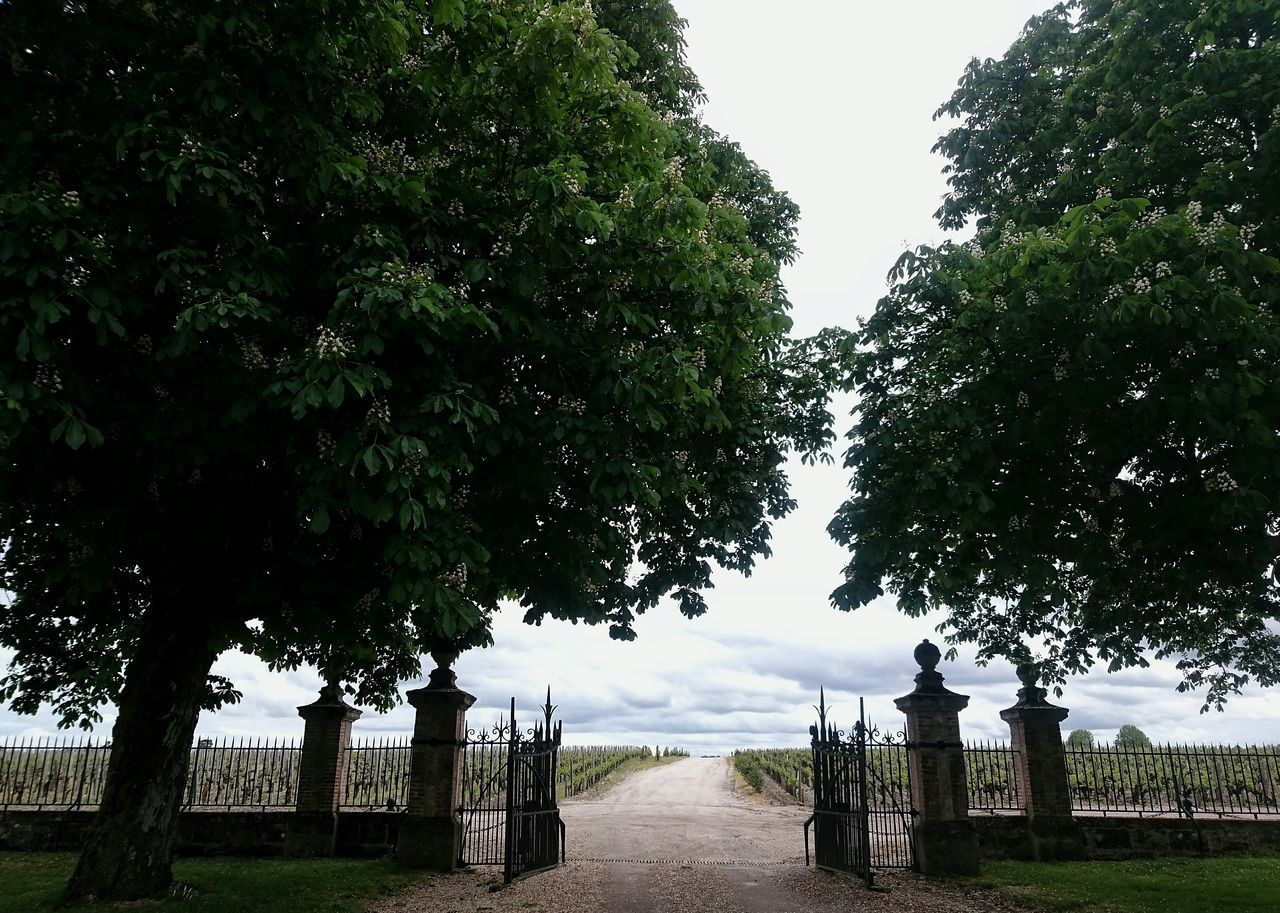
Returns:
point(129, 847)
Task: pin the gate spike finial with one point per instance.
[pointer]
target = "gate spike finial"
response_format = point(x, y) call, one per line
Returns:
point(822, 731)
point(822, 705)
point(548, 709)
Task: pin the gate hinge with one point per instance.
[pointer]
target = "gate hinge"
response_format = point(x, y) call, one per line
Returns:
point(940, 745)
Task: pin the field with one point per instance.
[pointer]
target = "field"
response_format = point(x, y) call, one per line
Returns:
point(583, 768)
point(32, 883)
point(262, 774)
point(790, 768)
point(1215, 780)
point(228, 774)
point(1237, 884)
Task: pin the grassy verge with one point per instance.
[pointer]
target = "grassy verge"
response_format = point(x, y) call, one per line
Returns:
point(33, 883)
point(1231, 884)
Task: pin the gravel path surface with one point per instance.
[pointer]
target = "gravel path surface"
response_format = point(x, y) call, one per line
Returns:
point(593, 887)
point(682, 812)
point(679, 838)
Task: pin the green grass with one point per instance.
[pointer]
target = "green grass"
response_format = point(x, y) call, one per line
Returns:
point(1230, 884)
point(33, 882)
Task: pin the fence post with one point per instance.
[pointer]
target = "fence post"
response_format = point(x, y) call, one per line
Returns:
point(1040, 764)
point(322, 774)
point(431, 832)
point(946, 841)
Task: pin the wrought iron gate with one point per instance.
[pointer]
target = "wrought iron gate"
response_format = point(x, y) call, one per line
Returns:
point(509, 812)
point(862, 810)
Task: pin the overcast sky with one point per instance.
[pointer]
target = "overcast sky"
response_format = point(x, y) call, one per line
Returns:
point(835, 100)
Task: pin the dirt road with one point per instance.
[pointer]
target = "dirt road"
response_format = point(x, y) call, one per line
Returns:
point(687, 811)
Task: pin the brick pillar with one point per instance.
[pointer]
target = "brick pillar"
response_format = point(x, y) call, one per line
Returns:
point(946, 841)
point(322, 774)
point(1040, 764)
point(431, 832)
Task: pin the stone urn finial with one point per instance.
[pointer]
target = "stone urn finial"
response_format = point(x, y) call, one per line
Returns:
point(928, 680)
point(331, 690)
point(443, 677)
point(1030, 693)
point(927, 655)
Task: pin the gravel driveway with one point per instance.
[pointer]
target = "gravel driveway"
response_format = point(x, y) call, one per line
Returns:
point(687, 811)
point(679, 838)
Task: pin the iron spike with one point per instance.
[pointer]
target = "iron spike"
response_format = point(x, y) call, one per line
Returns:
point(822, 709)
point(548, 709)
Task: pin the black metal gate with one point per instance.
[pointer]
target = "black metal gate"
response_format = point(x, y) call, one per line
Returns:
point(509, 812)
point(862, 810)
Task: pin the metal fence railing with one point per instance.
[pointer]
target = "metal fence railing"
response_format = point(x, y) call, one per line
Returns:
point(1207, 780)
point(243, 774)
point(377, 775)
point(224, 773)
point(1210, 780)
point(52, 773)
point(990, 773)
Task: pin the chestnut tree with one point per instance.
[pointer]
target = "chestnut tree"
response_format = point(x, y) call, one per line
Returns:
point(1066, 436)
point(327, 326)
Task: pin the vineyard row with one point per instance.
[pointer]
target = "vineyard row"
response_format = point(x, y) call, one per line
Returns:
point(1214, 780)
point(263, 774)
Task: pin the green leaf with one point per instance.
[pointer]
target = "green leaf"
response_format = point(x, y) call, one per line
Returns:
point(320, 520)
point(448, 12)
point(74, 434)
point(336, 392)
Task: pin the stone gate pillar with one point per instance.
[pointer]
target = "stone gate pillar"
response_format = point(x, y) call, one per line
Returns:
point(431, 832)
point(322, 774)
point(1040, 765)
point(946, 841)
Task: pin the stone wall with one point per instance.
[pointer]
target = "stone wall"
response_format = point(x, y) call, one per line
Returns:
point(1012, 837)
point(42, 831)
point(206, 833)
point(368, 833)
